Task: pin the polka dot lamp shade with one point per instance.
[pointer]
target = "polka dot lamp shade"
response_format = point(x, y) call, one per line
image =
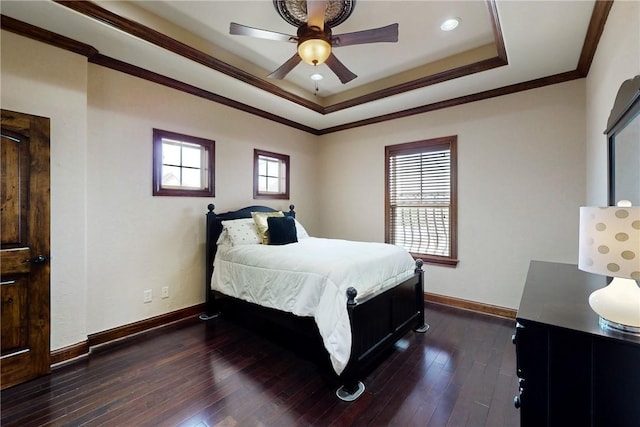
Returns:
point(610, 241)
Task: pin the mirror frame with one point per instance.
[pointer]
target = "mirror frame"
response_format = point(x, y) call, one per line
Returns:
point(625, 108)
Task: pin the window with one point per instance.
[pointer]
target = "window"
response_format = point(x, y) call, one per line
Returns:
point(421, 199)
point(270, 175)
point(182, 165)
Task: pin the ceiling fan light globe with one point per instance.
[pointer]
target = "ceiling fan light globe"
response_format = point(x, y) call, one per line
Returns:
point(314, 51)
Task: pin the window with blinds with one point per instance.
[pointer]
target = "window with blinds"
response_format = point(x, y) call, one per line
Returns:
point(421, 198)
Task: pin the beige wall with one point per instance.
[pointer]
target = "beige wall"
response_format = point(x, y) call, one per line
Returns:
point(137, 241)
point(616, 60)
point(520, 183)
point(50, 82)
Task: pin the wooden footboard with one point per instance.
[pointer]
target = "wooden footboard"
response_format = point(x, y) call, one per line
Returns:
point(381, 318)
point(377, 323)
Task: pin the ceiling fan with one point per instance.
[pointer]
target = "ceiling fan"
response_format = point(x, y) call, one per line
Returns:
point(314, 38)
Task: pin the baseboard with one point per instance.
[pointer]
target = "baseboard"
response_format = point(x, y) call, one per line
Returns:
point(70, 352)
point(493, 310)
point(83, 348)
point(143, 325)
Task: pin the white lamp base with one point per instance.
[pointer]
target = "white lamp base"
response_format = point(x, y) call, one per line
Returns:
point(618, 305)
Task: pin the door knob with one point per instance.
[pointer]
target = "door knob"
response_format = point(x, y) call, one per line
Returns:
point(38, 259)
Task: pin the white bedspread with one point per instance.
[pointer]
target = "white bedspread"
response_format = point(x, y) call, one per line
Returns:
point(310, 278)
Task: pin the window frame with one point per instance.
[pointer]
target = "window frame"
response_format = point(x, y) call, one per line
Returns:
point(426, 146)
point(284, 159)
point(209, 148)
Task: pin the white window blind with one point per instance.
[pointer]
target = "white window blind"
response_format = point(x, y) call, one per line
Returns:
point(420, 199)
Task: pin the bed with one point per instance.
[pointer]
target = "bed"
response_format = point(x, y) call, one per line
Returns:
point(357, 299)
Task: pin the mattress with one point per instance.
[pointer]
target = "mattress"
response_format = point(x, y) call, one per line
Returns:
point(310, 278)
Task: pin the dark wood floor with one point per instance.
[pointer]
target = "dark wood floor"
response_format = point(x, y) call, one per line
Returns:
point(217, 373)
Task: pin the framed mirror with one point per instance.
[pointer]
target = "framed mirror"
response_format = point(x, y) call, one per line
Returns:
point(623, 135)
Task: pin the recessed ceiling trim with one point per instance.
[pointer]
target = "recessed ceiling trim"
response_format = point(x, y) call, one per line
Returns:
point(506, 90)
point(142, 73)
point(444, 76)
point(497, 30)
point(143, 32)
point(596, 27)
point(94, 11)
point(45, 36)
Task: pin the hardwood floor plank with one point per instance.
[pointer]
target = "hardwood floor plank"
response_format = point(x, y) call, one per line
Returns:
point(352, 412)
point(460, 373)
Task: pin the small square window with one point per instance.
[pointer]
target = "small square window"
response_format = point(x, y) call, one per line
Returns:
point(270, 175)
point(182, 165)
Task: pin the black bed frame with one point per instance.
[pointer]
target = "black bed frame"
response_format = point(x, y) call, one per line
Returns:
point(377, 322)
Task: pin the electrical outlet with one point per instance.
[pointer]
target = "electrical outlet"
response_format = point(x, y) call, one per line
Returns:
point(165, 292)
point(147, 295)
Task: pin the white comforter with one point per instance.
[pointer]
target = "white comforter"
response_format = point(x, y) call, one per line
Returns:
point(310, 278)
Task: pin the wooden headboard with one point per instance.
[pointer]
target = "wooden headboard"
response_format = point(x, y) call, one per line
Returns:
point(213, 230)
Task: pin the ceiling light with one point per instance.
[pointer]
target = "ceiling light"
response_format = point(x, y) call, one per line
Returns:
point(314, 51)
point(450, 24)
point(316, 77)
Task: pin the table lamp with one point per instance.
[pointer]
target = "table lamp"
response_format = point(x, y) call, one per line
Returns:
point(610, 245)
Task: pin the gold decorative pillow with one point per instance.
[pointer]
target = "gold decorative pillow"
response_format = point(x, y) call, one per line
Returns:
point(260, 219)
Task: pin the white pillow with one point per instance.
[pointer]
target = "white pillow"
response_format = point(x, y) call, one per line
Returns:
point(300, 231)
point(240, 232)
point(223, 239)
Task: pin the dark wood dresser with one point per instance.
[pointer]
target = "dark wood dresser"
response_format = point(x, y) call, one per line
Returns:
point(572, 373)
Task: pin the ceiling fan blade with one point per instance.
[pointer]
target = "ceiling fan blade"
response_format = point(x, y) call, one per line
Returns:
point(315, 13)
point(243, 30)
point(374, 35)
point(284, 69)
point(339, 69)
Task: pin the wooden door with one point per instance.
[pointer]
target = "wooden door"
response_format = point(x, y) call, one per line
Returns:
point(24, 248)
